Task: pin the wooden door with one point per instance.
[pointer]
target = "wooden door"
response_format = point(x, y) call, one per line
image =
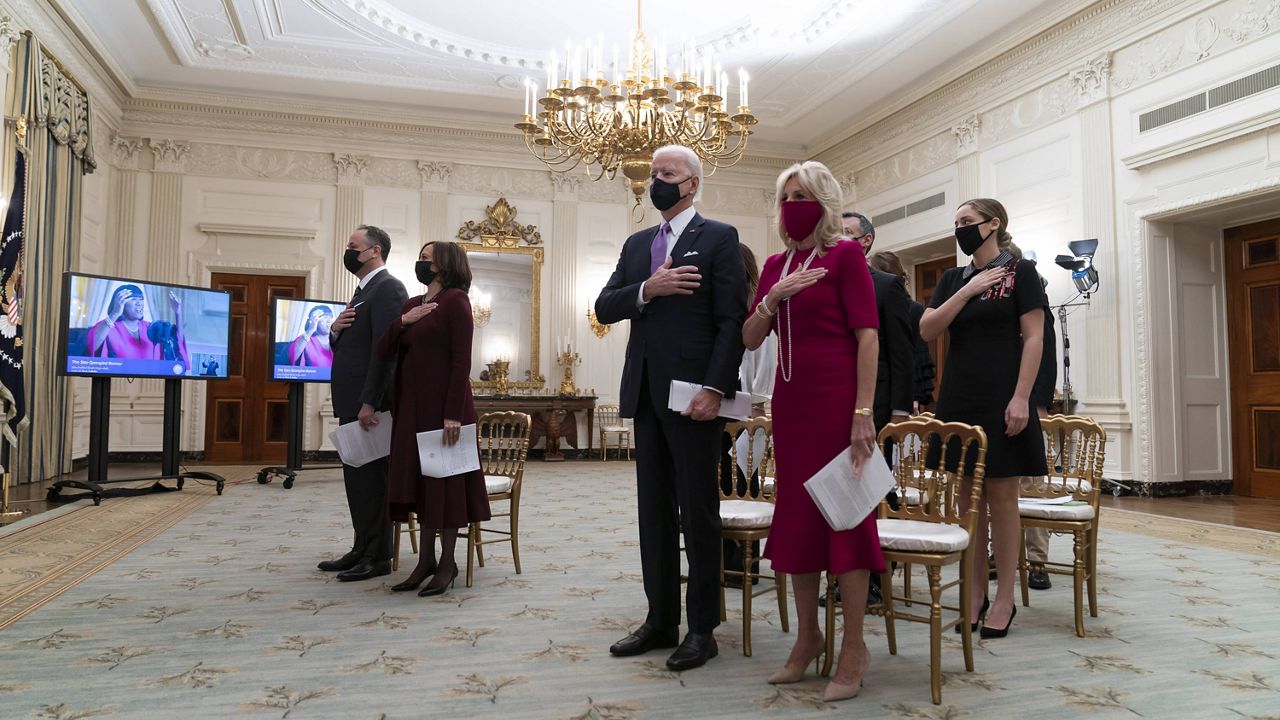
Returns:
point(1253, 327)
point(247, 416)
point(927, 276)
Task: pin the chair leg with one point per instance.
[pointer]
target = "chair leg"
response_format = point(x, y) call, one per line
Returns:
point(1023, 580)
point(747, 588)
point(886, 604)
point(473, 532)
point(1093, 570)
point(1077, 578)
point(780, 589)
point(604, 449)
point(906, 584)
point(413, 533)
point(515, 532)
point(828, 656)
point(966, 630)
point(395, 547)
point(935, 633)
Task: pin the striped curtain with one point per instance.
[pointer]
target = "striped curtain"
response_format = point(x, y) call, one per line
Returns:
point(57, 116)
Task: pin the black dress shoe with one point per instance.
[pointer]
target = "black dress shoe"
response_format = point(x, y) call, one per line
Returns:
point(1039, 581)
point(990, 632)
point(874, 597)
point(645, 638)
point(432, 590)
point(346, 562)
point(695, 651)
point(366, 569)
point(973, 627)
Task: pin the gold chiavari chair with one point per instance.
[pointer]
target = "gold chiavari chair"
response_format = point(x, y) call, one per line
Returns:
point(504, 446)
point(411, 529)
point(1075, 448)
point(611, 423)
point(934, 534)
point(746, 515)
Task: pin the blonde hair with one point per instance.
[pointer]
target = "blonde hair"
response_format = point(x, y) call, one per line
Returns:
point(818, 183)
point(988, 209)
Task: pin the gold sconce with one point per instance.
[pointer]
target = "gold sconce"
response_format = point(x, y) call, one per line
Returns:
point(596, 327)
point(481, 312)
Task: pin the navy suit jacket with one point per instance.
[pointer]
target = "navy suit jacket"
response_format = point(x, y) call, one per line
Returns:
point(895, 371)
point(360, 376)
point(694, 338)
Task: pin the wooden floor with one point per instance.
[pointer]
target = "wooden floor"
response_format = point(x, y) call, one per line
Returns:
point(1256, 513)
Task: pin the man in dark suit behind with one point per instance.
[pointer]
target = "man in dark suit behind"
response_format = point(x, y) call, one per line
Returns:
point(895, 370)
point(361, 386)
point(683, 287)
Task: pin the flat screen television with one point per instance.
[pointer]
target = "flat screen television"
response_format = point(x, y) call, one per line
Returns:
point(118, 327)
point(300, 339)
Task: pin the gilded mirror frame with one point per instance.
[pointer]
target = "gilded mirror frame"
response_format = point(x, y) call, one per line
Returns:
point(498, 233)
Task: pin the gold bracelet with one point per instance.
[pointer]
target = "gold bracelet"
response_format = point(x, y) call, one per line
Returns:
point(863, 411)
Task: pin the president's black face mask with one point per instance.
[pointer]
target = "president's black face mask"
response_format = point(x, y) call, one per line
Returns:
point(665, 195)
point(970, 237)
point(424, 272)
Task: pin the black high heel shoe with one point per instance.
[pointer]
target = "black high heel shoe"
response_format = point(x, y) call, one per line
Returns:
point(973, 627)
point(411, 584)
point(429, 591)
point(990, 632)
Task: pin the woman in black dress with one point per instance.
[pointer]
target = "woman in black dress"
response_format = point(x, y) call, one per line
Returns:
point(431, 340)
point(994, 310)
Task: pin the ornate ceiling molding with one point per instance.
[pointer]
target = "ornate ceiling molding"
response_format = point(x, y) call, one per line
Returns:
point(169, 155)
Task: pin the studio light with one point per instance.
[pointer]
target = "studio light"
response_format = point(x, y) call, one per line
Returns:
point(1080, 263)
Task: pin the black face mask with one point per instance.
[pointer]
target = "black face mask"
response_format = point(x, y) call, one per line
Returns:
point(665, 195)
point(423, 270)
point(351, 260)
point(970, 237)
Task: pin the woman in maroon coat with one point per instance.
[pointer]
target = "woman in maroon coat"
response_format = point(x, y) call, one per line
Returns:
point(432, 343)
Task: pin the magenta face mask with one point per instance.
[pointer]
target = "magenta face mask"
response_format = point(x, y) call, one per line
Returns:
point(800, 218)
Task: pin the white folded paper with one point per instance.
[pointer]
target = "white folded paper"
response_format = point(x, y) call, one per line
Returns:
point(439, 460)
point(357, 446)
point(845, 501)
point(737, 408)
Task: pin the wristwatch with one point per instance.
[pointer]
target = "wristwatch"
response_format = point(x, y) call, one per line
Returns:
point(863, 411)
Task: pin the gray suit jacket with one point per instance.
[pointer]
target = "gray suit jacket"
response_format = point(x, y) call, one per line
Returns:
point(359, 375)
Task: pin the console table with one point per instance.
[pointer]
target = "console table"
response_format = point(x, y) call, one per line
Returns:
point(548, 413)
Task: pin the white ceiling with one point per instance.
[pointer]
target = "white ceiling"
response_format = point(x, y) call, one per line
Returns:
point(818, 67)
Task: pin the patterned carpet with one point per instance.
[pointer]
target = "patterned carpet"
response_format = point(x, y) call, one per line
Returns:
point(213, 608)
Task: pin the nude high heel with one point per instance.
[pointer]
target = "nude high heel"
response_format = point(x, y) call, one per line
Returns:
point(836, 691)
point(791, 674)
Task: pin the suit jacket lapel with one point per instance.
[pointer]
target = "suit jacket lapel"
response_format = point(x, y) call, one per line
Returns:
point(686, 241)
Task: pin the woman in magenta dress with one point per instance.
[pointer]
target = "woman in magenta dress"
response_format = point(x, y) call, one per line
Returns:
point(311, 348)
point(819, 299)
point(432, 343)
point(124, 334)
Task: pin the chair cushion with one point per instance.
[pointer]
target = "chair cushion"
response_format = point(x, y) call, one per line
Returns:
point(494, 484)
point(1065, 486)
point(746, 514)
point(921, 536)
point(615, 429)
point(1055, 512)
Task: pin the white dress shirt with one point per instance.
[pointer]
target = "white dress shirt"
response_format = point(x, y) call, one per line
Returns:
point(364, 281)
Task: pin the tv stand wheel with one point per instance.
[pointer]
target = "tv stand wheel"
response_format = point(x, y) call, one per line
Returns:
point(263, 477)
point(181, 481)
point(288, 481)
point(221, 484)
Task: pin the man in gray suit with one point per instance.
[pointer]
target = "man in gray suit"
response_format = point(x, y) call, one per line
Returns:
point(361, 386)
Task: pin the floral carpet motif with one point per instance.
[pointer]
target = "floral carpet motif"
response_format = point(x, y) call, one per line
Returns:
point(224, 615)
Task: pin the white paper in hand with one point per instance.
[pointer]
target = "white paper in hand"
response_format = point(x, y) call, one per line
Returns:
point(357, 446)
point(737, 408)
point(439, 460)
point(845, 501)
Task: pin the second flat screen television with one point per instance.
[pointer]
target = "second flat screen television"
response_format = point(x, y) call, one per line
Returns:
point(300, 349)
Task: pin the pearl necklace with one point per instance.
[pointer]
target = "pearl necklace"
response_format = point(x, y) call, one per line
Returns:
point(788, 367)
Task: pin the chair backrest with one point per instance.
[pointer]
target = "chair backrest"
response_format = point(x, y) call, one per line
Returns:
point(756, 453)
point(908, 443)
point(504, 443)
point(1075, 448)
point(607, 415)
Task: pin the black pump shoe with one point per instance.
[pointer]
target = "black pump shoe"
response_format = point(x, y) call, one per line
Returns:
point(973, 627)
point(429, 591)
point(411, 584)
point(990, 632)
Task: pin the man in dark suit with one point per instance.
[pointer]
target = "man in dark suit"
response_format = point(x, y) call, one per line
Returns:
point(683, 287)
point(361, 386)
point(895, 370)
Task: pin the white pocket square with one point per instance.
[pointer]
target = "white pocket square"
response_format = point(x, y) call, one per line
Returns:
point(691, 253)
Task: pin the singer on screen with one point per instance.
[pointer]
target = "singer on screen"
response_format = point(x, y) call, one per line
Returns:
point(124, 334)
point(311, 347)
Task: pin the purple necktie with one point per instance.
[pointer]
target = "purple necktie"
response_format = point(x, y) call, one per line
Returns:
point(658, 251)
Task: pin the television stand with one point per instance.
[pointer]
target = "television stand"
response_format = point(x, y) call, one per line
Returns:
point(293, 455)
point(99, 434)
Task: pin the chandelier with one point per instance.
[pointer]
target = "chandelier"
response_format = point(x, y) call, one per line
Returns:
point(481, 312)
point(610, 121)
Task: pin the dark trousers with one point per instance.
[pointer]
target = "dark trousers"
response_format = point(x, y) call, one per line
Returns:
point(367, 498)
point(676, 490)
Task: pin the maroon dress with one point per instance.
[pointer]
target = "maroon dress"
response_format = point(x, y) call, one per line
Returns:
point(432, 383)
point(813, 412)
